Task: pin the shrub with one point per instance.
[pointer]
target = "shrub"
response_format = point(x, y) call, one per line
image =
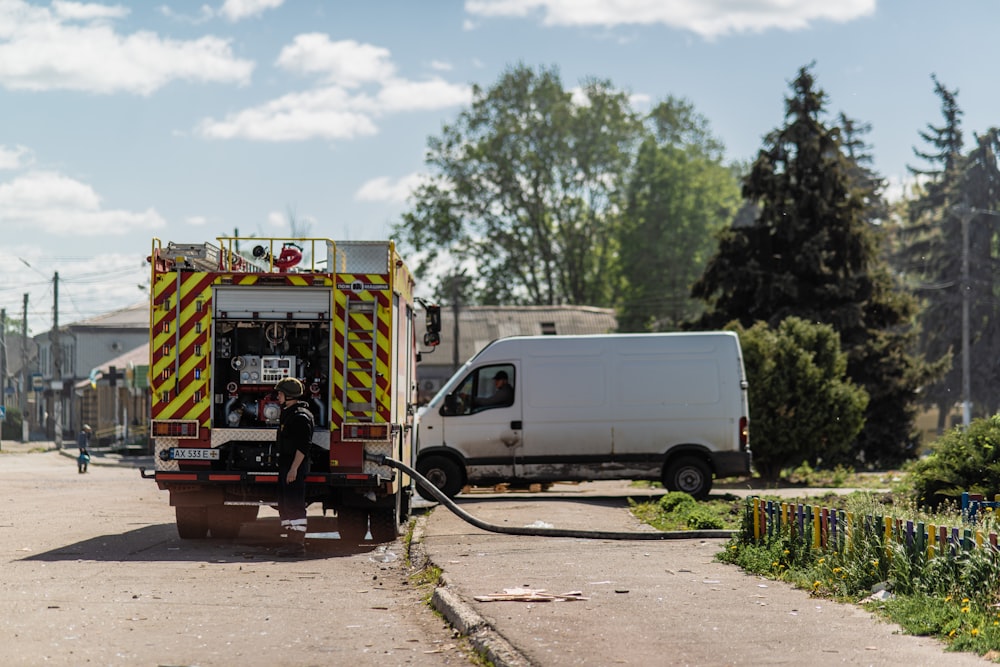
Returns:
point(803, 407)
point(960, 460)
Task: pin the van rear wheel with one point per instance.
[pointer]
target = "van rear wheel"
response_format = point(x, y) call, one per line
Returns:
point(443, 473)
point(689, 474)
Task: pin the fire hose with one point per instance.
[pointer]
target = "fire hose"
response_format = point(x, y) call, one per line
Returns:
point(541, 531)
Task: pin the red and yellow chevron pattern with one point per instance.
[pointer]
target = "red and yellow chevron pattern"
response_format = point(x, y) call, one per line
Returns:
point(181, 346)
point(361, 345)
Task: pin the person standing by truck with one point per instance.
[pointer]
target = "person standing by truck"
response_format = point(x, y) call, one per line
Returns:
point(295, 431)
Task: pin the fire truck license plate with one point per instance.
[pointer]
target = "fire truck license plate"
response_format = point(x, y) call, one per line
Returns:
point(199, 453)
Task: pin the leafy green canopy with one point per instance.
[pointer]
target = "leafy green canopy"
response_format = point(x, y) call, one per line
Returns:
point(679, 196)
point(524, 191)
point(541, 195)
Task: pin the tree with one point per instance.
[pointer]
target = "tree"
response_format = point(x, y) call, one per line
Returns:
point(960, 195)
point(930, 255)
point(525, 189)
point(679, 195)
point(812, 253)
point(802, 406)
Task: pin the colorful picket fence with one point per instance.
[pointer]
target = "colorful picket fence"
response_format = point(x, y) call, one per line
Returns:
point(834, 529)
point(974, 503)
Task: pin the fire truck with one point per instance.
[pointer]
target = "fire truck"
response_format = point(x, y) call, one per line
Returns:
point(228, 320)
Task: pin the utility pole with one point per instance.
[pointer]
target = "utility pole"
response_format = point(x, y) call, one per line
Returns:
point(3, 366)
point(25, 428)
point(25, 425)
point(967, 213)
point(3, 356)
point(966, 366)
point(57, 393)
point(456, 293)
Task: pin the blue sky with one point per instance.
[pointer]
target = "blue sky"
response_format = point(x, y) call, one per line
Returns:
point(187, 120)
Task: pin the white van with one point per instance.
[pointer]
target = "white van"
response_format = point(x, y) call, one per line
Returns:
point(670, 407)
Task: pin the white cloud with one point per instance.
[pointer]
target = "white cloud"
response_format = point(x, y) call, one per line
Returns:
point(14, 158)
point(346, 63)
point(196, 220)
point(85, 11)
point(708, 18)
point(56, 204)
point(359, 85)
point(276, 219)
point(402, 95)
point(383, 189)
point(236, 10)
point(441, 66)
point(325, 113)
point(73, 46)
point(204, 14)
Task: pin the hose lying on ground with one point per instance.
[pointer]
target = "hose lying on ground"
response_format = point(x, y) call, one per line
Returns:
point(542, 531)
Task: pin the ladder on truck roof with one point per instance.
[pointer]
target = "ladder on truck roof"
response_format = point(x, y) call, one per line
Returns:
point(360, 360)
point(195, 256)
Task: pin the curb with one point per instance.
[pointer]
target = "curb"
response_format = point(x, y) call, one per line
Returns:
point(463, 618)
point(483, 637)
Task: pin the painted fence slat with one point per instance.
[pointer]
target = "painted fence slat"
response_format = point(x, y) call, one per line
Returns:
point(825, 528)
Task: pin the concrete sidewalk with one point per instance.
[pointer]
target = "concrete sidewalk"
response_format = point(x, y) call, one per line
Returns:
point(666, 602)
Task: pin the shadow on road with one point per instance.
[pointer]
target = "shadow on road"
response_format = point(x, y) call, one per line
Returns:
point(257, 541)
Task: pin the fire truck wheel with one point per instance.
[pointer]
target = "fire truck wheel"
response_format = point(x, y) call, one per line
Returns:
point(192, 522)
point(352, 524)
point(383, 525)
point(444, 473)
point(689, 474)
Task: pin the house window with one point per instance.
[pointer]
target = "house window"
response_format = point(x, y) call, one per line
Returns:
point(548, 328)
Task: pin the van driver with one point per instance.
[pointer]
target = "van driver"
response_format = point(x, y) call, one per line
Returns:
point(503, 393)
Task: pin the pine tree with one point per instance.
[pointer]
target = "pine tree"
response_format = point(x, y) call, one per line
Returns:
point(812, 253)
point(930, 256)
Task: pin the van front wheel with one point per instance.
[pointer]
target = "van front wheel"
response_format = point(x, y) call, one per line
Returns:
point(690, 475)
point(443, 473)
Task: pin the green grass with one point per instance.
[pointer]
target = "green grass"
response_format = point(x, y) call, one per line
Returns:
point(679, 511)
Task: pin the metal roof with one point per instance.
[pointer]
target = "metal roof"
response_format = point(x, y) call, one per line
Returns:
point(479, 325)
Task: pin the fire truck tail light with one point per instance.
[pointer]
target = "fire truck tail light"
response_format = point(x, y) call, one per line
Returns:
point(174, 428)
point(365, 432)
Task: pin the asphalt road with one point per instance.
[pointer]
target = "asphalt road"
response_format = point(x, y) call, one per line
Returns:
point(94, 573)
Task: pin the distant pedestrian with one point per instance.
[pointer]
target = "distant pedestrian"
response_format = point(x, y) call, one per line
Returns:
point(83, 444)
point(295, 431)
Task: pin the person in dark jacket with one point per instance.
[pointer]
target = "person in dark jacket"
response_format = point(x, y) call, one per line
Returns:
point(503, 393)
point(295, 430)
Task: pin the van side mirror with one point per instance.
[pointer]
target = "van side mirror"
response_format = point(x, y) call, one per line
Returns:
point(432, 339)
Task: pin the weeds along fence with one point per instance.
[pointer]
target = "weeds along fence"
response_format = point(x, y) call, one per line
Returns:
point(825, 528)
